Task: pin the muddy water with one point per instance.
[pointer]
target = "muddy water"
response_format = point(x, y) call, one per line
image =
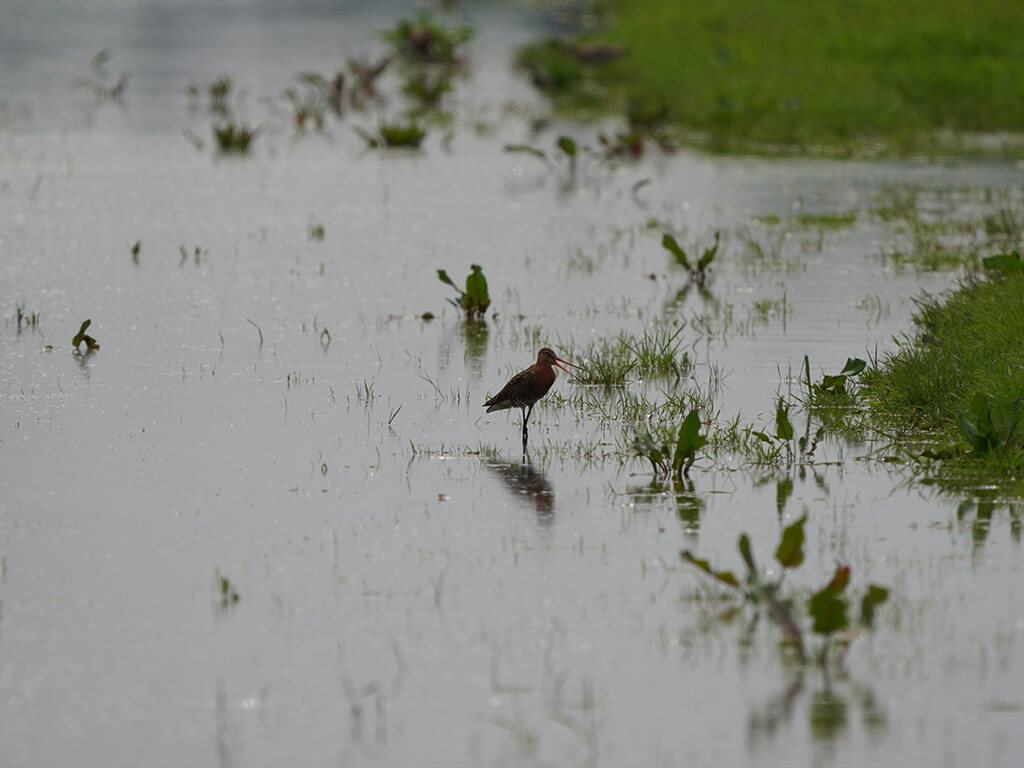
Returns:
point(276, 412)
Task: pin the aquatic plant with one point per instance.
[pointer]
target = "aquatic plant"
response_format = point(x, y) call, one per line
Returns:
point(99, 82)
point(28, 319)
point(225, 593)
point(475, 300)
point(234, 138)
point(979, 429)
point(218, 93)
point(91, 345)
point(315, 229)
point(426, 41)
point(408, 135)
point(1004, 263)
point(697, 270)
point(667, 458)
point(364, 74)
point(833, 386)
point(135, 250)
point(827, 609)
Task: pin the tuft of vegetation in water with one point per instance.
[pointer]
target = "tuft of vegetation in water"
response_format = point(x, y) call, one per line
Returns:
point(424, 40)
point(407, 135)
point(99, 81)
point(233, 138)
point(315, 230)
point(24, 318)
point(956, 386)
point(827, 610)
point(474, 300)
point(224, 591)
point(218, 93)
point(91, 345)
point(672, 454)
point(698, 269)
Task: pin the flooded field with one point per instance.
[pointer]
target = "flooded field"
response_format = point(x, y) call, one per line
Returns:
point(269, 522)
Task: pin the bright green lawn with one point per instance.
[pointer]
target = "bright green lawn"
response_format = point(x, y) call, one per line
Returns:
point(806, 73)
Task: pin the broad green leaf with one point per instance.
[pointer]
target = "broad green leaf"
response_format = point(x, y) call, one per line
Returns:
point(726, 577)
point(873, 598)
point(828, 610)
point(783, 427)
point(1007, 263)
point(669, 243)
point(690, 441)
point(854, 365)
point(790, 553)
point(476, 289)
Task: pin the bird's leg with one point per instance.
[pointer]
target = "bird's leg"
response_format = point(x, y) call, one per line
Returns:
point(526, 417)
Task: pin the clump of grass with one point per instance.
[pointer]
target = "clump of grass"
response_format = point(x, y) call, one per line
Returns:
point(407, 135)
point(233, 138)
point(660, 352)
point(827, 220)
point(969, 343)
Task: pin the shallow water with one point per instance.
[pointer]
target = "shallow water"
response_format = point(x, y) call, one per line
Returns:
point(410, 593)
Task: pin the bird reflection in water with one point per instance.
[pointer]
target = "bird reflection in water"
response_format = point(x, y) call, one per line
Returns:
point(526, 482)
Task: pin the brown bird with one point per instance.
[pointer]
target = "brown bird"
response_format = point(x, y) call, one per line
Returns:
point(527, 387)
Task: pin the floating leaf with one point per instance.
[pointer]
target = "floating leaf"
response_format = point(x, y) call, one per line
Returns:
point(790, 553)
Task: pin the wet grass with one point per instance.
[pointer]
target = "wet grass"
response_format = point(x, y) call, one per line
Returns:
point(956, 385)
point(883, 75)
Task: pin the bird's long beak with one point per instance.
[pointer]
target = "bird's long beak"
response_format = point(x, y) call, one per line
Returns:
point(560, 360)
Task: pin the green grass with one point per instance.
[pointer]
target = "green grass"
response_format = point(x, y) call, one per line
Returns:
point(831, 77)
point(969, 344)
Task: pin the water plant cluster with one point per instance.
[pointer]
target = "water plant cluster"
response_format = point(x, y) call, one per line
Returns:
point(426, 56)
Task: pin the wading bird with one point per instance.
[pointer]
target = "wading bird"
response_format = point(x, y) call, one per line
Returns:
point(527, 387)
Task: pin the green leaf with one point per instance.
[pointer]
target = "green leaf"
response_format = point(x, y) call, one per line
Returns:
point(1007, 263)
point(783, 426)
point(709, 254)
point(476, 289)
point(726, 577)
point(790, 553)
point(690, 441)
point(442, 275)
point(669, 243)
point(567, 145)
point(854, 365)
point(828, 610)
point(873, 598)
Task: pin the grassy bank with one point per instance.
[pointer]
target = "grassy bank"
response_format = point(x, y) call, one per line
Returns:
point(908, 76)
point(954, 391)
